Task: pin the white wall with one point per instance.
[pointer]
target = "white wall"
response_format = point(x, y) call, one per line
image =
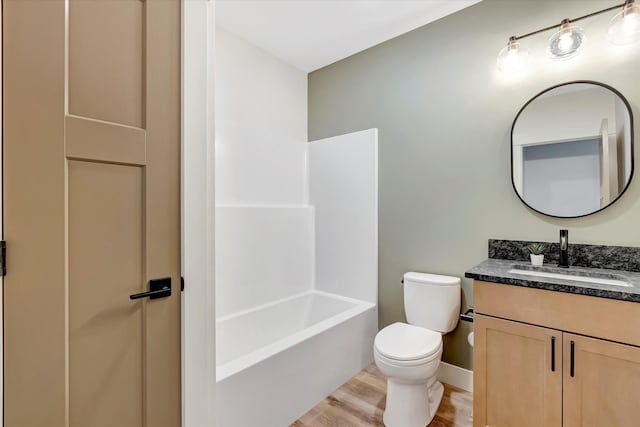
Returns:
point(343, 188)
point(261, 125)
point(263, 254)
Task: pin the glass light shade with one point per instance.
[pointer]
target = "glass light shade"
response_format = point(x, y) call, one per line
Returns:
point(625, 26)
point(513, 57)
point(567, 42)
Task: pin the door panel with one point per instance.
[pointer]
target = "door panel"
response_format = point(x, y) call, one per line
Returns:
point(105, 265)
point(34, 288)
point(92, 204)
point(95, 140)
point(106, 60)
point(516, 383)
point(604, 390)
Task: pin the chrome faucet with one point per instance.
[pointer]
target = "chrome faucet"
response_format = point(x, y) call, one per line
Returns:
point(563, 257)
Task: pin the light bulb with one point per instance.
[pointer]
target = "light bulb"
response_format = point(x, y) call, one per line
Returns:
point(513, 57)
point(567, 42)
point(630, 23)
point(625, 26)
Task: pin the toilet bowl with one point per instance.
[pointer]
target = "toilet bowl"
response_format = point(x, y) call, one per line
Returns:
point(409, 357)
point(408, 354)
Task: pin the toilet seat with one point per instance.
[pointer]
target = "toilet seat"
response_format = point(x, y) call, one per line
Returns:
point(401, 342)
point(406, 363)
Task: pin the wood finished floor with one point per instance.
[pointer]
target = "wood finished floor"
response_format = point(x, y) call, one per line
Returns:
point(361, 401)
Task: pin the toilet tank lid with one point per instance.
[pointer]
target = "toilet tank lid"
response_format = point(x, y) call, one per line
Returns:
point(434, 279)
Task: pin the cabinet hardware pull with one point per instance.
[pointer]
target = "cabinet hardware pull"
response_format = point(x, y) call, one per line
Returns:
point(553, 354)
point(571, 368)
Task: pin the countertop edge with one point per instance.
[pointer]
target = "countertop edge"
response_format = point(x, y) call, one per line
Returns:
point(555, 287)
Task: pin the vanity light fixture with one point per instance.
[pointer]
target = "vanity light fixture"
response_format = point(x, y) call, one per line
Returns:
point(513, 57)
point(625, 26)
point(569, 40)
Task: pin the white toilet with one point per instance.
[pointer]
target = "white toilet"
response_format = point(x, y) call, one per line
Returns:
point(409, 354)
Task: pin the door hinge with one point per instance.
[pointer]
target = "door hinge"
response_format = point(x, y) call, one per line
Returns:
point(181, 284)
point(3, 258)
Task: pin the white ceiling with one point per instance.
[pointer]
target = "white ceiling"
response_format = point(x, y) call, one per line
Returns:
point(310, 34)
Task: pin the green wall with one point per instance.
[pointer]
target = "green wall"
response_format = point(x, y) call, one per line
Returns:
point(444, 115)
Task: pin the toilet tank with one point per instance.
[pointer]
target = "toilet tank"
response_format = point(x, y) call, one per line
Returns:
point(432, 301)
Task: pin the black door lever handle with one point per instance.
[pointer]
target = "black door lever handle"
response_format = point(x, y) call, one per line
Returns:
point(158, 288)
point(164, 292)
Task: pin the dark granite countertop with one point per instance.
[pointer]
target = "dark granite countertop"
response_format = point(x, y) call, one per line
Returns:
point(498, 271)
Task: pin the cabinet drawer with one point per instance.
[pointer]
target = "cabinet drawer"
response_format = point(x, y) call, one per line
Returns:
point(597, 317)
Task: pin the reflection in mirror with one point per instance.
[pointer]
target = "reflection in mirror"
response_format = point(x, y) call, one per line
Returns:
point(572, 149)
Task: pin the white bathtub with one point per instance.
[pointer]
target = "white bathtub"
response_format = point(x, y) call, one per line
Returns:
point(276, 361)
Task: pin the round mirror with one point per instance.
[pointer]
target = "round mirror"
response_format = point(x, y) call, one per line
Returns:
point(572, 149)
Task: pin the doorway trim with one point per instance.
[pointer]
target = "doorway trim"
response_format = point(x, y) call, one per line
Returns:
point(198, 208)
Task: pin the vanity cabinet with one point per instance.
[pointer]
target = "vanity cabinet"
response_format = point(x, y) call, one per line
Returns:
point(604, 389)
point(548, 359)
point(517, 374)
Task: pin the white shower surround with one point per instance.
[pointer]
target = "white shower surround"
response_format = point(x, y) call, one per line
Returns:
point(296, 244)
point(263, 254)
point(297, 289)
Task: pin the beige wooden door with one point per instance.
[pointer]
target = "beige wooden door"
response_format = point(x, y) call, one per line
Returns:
point(91, 212)
point(603, 389)
point(517, 374)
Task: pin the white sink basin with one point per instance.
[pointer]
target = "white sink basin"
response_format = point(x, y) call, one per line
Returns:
point(575, 278)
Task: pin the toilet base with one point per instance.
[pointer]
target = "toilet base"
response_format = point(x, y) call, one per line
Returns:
point(412, 405)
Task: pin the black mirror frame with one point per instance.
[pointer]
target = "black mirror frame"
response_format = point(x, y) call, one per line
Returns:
point(629, 110)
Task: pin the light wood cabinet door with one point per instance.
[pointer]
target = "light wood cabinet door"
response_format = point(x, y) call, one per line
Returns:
point(602, 385)
point(517, 374)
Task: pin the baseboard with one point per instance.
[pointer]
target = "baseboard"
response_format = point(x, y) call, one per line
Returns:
point(455, 376)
